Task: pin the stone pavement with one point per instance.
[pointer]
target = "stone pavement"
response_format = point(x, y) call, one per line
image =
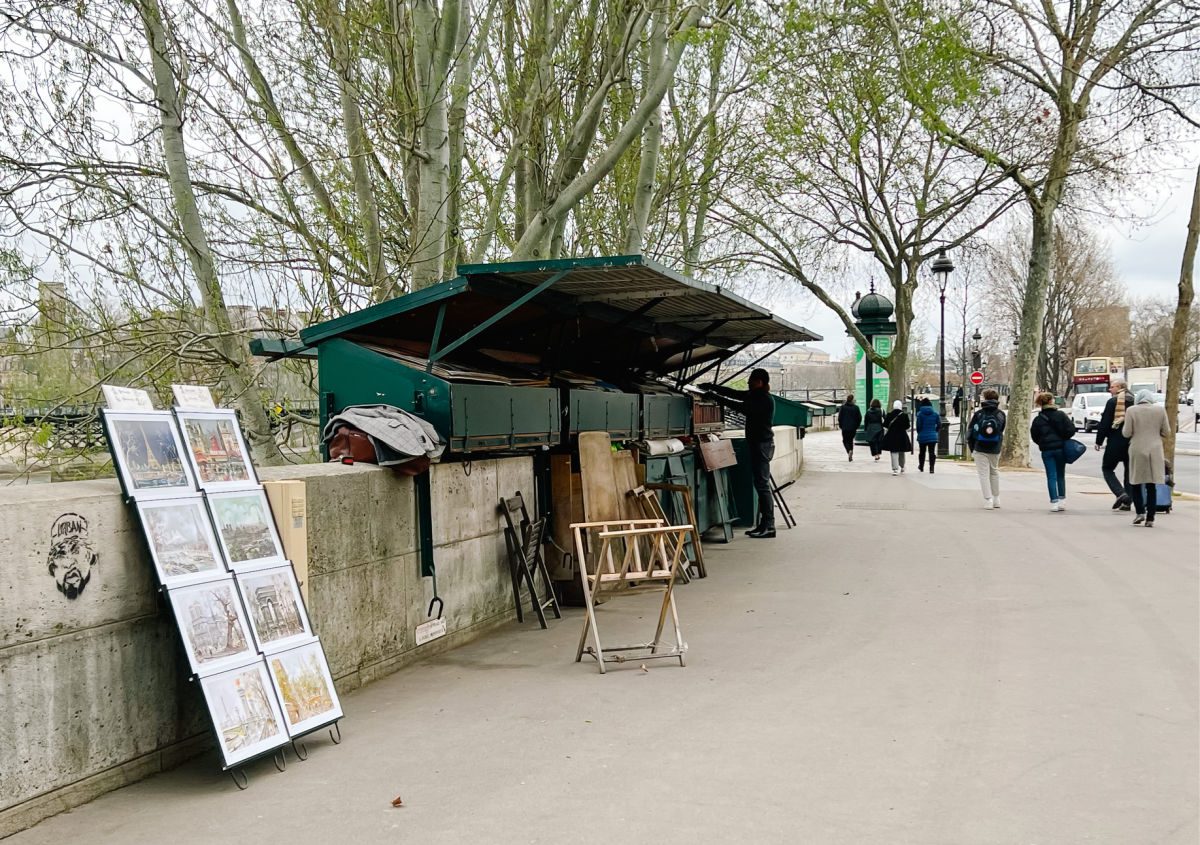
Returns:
point(905, 667)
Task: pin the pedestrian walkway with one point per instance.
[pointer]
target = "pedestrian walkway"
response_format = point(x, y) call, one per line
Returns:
point(904, 667)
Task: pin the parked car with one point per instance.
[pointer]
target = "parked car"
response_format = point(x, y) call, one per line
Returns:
point(1086, 410)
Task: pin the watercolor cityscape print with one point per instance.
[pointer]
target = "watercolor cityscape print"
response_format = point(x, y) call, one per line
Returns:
point(180, 536)
point(274, 604)
point(216, 450)
point(241, 708)
point(304, 685)
point(149, 453)
point(245, 526)
point(211, 616)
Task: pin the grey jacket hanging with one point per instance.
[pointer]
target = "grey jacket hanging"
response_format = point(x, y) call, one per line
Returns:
point(397, 435)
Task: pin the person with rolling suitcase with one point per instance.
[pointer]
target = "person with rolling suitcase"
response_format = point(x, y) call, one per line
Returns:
point(1145, 427)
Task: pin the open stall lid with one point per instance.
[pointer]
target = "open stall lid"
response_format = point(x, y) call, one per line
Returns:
point(607, 316)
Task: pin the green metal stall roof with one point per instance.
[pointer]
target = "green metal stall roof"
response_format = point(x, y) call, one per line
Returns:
point(641, 312)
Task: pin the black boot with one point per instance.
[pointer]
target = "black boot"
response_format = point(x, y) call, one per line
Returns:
point(762, 534)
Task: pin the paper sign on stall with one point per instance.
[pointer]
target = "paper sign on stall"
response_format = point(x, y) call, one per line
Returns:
point(430, 630)
point(117, 398)
point(193, 397)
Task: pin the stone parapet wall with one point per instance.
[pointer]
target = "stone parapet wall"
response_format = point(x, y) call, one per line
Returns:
point(94, 686)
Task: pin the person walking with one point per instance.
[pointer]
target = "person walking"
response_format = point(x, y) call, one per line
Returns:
point(928, 423)
point(873, 428)
point(985, 435)
point(757, 405)
point(1115, 444)
point(958, 398)
point(895, 436)
point(1050, 430)
point(849, 418)
point(1145, 427)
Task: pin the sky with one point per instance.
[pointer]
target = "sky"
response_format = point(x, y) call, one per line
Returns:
point(1147, 257)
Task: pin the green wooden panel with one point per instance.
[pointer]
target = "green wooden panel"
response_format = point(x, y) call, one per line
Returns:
point(666, 415)
point(599, 410)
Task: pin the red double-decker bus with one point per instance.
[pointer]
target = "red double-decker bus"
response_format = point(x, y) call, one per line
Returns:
point(1093, 375)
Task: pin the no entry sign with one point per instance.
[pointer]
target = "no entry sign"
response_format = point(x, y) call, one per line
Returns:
point(977, 377)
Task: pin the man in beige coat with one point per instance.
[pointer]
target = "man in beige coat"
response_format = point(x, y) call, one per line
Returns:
point(1145, 427)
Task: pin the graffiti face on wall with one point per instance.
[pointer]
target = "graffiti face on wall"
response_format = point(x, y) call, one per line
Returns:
point(71, 555)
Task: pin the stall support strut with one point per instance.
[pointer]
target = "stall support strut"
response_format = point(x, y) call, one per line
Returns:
point(495, 318)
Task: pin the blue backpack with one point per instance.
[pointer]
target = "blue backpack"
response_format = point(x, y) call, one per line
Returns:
point(989, 428)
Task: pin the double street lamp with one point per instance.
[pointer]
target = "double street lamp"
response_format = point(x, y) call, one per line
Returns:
point(942, 267)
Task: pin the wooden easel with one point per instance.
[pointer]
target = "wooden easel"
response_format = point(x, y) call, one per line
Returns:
point(617, 568)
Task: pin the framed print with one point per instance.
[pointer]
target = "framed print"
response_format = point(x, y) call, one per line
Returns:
point(244, 712)
point(273, 604)
point(301, 677)
point(245, 529)
point(148, 454)
point(212, 624)
point(216, 449)
point(181, 539)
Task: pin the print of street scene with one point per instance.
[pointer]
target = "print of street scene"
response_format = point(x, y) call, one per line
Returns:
point(150, 454)
point(214, 621)
point(274, 607)
point(245, 527)
point(216, 449)
point(179, 535)
point(241, 709)
point(303, 683)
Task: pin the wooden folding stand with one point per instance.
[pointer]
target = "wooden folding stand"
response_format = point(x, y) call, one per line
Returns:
point(603, 578)
point(523, 537)
point(647, 498)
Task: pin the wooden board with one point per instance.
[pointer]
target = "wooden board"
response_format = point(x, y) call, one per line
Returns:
point(625, 471)
point(601, 500)
point(717, 454)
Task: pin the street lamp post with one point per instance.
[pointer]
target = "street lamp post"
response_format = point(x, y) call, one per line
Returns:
point(942, 267)
point(977, 360)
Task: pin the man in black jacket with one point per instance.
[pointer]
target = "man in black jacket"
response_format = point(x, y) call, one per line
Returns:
point(759, 408)
point(1115, 444)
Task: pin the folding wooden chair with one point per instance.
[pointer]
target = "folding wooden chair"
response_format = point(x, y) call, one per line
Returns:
point(524, 538)
point(651, 507)
point(617, 567)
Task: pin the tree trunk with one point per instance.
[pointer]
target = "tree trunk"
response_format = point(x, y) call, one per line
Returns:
point(536, 237)
point(1183, 310)
point(897, 362)
point(651, 141)
point(357, 150)
point(460, 90)
point(1015, 451)
point(434, 43)
point(237, 380)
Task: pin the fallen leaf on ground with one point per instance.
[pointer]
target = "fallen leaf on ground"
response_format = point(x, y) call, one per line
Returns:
point(396, 802)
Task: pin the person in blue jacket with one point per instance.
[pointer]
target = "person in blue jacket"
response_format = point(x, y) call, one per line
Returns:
point(927, 423)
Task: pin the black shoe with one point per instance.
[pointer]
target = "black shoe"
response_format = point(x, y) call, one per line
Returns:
point(1124, 506)
point(1139, 519)
point(1122, 503)
point(753, 531)
point(763, 535)
point(1149, 524)
point(931, 470)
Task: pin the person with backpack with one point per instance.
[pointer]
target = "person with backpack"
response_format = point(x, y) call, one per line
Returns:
point(1050, 430)
point(985, 434)
point(873, 428)
point(849, 418)
point(895, 436)
point(928, 423)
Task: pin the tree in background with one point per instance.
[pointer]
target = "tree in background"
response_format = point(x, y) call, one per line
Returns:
point(1086, 314)
point(1075, 90)
point(847, 167)
point(1185, 322)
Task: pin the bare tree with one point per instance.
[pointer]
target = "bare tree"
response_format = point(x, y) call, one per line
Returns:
point(1072, 85)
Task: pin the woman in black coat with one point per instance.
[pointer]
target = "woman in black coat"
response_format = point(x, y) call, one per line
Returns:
point(873, 428)
point(895, 436)
point(848, 419)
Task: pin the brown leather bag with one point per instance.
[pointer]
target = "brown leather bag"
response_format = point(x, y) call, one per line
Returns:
point(350, 445)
